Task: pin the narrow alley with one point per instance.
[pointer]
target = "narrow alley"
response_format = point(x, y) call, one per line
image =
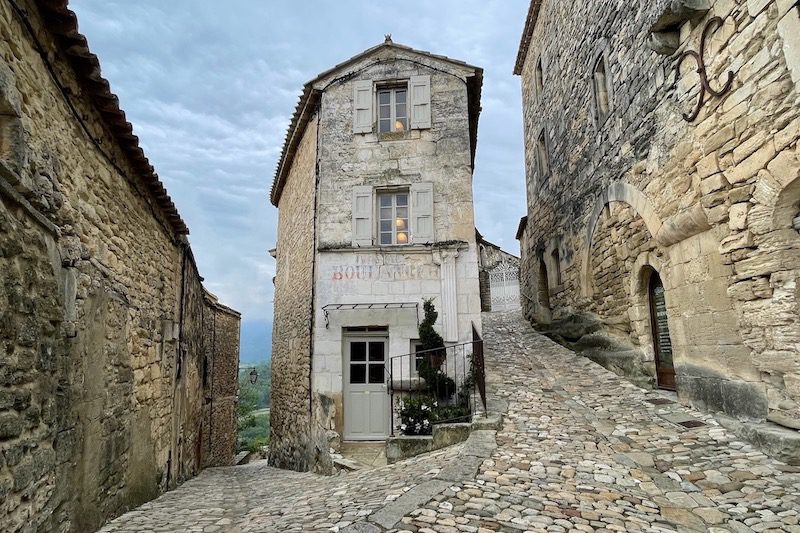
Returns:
point(580, 450)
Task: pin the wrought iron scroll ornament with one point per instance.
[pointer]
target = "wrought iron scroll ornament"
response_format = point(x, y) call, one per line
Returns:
point(705, 87)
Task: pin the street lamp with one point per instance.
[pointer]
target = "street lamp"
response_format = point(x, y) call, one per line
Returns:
point(253, 376)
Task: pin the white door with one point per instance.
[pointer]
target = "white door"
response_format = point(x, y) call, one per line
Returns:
point(366, 401)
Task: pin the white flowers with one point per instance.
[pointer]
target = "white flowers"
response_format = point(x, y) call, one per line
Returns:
point(425, 407)
point(403, 427)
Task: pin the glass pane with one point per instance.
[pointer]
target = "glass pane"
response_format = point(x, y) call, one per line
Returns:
point(358, 373)
point(402, 200)
point(385, 200)
point(402, 212)
point(358, 351)
point(400, 96)
point(384, 97)
point(385, 111)
point(401, 224)
point(376, 373)
point(386, 238)
point(385, 125)
point(386, 213)
point(386, 225)
point(376, 351)
point(402, 238)
point(401, 111)
point(400, 125)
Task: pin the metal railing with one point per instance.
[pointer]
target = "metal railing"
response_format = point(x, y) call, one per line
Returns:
point(439, 385)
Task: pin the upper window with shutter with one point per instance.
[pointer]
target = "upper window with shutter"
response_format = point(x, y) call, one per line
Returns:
point(395, 107)
point(391, 217)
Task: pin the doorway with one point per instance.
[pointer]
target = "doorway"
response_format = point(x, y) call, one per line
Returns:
point(366, 399)
point(659, 325)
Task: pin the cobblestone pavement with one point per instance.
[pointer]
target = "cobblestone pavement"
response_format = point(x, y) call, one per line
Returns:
point(579, 450)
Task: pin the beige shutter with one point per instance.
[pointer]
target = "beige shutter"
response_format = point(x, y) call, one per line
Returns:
point(362, 215)
point(422, 213)
point(362, 106)
point(420, 100)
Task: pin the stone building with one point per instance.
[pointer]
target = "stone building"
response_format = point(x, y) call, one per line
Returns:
point(663, 187)
point(374, 191)
point(116, 378)
point(498, 275)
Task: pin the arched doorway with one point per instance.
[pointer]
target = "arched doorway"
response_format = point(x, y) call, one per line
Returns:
point(659, 325)
point(543, 293)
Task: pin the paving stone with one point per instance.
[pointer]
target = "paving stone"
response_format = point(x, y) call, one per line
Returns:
point(579, 449)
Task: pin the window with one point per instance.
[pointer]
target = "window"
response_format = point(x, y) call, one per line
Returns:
point(393, 217)
point(393, 109)
point(542, 158)
point(557, 265)
point(539, 77)
point(367, 362)
point(602, 99)
point(416, 348)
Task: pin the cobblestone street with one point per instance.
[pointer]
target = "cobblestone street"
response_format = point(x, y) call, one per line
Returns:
point(580, 450)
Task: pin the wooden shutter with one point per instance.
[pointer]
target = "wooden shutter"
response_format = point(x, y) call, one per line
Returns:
point(362, 215)
point(420, 100)
point(422, 213)
point(362, 106)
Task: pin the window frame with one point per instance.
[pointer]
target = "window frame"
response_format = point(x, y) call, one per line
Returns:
point(601, 58)
point(538, 76)
point(392, 88)
point(542, 156)
point(393, 193)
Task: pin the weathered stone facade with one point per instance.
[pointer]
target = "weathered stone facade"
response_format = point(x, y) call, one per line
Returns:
point(622, 187)
point(102, 311)
point(331, 262)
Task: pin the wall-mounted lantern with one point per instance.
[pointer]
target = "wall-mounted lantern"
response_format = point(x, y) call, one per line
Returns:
point(253, 376)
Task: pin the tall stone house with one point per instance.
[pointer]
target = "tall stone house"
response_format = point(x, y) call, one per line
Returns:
point(374, 191)
point(118, 370)
point(662, 162)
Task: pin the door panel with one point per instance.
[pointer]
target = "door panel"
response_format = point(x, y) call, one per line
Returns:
point(665, 369)
point(366, 402)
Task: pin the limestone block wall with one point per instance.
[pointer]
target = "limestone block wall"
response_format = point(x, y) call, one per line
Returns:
point(220, 384)
point(293, 441)
point(94, 281)
point(718, 196)
point(440, 155)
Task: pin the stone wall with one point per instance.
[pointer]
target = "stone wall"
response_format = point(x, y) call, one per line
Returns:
point(292, 441)
point(220, 384)
point(100, 295)
point(708, 204)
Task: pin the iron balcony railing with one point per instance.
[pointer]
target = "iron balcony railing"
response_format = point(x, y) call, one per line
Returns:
point(437, 386)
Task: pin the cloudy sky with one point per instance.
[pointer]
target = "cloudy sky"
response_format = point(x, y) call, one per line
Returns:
point(210, 87)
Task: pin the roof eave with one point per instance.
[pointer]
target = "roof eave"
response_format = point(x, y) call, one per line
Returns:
point(527, 34)
point(62, 23)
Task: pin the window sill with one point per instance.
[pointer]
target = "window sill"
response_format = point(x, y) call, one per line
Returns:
point(394, 136)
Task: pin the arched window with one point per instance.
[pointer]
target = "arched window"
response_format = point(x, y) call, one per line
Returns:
point(601, 84)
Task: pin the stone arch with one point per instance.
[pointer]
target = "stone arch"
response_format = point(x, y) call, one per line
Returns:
point(617, 192)
point(643, 268)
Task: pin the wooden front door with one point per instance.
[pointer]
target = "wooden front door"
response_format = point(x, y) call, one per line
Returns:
point(366, 401)
point(665, 370)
